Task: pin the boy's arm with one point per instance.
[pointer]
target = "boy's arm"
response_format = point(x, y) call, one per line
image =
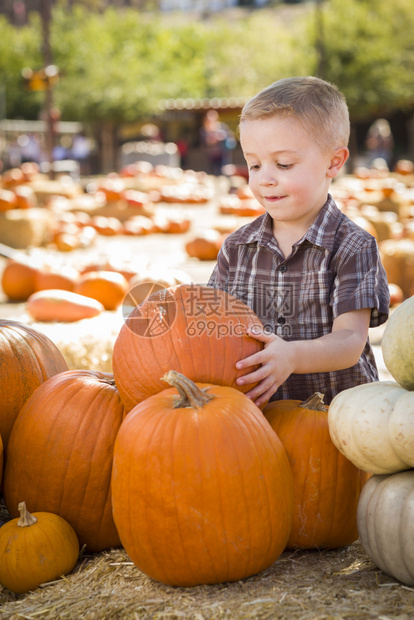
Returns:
point(340, 349)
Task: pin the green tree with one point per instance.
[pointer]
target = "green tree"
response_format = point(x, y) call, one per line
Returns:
point(20, 48)
point(117, 65)
point(368, 52)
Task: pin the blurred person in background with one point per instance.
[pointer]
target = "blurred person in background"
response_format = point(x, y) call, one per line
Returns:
point(379, 142)
point(218, 141)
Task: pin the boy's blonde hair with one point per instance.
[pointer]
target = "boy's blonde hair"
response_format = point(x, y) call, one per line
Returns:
point(318, 105)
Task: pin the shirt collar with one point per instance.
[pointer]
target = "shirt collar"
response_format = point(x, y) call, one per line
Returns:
point(321, 232)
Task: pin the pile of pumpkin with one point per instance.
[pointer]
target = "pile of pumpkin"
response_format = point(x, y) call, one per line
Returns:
point(65, 293)
point(115, 204)
point(166, 456)
point(373, 426)
point(382, 202)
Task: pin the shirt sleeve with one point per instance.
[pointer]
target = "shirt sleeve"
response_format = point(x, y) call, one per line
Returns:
point(361, 282)
point(220, 275)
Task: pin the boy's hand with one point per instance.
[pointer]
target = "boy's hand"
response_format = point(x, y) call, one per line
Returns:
point(276, 364)
point(279, 358)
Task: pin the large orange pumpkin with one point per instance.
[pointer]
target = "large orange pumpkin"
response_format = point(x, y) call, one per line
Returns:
point(194, 329)
point(201, 486)
point(326, 484)
point(60, 454)
point(27, 359)
point(1, 460)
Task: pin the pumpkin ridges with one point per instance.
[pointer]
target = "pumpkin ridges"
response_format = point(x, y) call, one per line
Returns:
point(104, 431)
point(359, 422)
point(27, 359)
point(35, 550)
point(96, 468)
point(385, 523)
point(318, 520)
point(187, 366)
point(197, 353)
point(202, 537)
point(44, 464)
point(125, 387)
point(258, 440)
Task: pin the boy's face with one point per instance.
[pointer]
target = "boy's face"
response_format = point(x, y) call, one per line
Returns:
point(288, 173)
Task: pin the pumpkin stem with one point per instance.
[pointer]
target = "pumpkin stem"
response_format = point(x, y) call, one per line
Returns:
point(26, 518)
point(314, 402)
point(190, 395)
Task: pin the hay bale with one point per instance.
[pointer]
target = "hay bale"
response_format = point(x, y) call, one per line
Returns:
point(21, 229)
point(85, 344)
point(45, 189)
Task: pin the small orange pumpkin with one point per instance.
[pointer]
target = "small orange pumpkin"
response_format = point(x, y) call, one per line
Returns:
point(18, 280)
point(25, 197)
point(106, 225)
point(107, 287)
point(49, 277)
point(111, 264)
point(205, 244)
point(8, 200)
point(64, 306)
point(34, 549)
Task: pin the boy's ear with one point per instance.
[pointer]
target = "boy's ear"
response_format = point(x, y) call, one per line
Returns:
point(337, 161)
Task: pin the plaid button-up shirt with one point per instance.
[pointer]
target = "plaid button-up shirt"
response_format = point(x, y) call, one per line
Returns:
point(335, 268)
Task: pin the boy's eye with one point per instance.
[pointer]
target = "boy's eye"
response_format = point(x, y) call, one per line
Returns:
point(284, 166)
point(254, 167)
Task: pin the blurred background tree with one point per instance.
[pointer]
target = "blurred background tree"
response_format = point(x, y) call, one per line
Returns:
point(117, 64)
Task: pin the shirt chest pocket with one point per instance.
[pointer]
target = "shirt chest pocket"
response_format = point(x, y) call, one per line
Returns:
point(315, 300)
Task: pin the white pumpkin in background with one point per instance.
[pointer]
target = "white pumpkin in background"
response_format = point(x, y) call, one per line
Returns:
point(385, 520)
point(372, 425)
point(398, 344)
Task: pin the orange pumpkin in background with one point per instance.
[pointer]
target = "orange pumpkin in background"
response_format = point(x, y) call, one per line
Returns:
point(204, 245)
point(53, 305)
point(107, 287)
point(25, 196)
point(49, 277)
point(1, 460)
point(18, 280)
point(8, 200)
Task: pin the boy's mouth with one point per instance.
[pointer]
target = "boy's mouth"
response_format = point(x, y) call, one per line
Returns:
point(273, 198)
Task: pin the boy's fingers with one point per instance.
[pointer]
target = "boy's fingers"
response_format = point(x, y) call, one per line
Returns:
point(259, 332)
point(247, 362)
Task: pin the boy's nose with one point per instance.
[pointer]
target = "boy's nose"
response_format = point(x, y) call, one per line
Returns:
point(267, 178)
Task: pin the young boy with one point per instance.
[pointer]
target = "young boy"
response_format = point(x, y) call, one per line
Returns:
point(312, 276)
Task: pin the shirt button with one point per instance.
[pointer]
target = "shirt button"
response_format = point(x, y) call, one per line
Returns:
point(281, 320)
point(282, 268)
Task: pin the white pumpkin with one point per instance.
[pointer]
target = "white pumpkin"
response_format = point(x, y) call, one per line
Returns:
point(398, 344)
point(385, 520)
point(373, 426)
